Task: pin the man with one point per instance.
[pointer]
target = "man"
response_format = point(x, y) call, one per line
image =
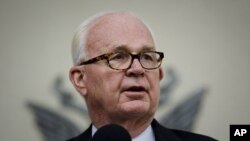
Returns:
point(117, 71)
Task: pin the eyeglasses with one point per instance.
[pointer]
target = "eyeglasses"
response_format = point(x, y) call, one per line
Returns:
point(123, 60)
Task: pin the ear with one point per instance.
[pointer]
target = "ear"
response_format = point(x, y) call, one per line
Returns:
point(161, 74)
point(76, 75)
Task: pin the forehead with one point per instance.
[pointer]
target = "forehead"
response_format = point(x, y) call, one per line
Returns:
point(116, 30)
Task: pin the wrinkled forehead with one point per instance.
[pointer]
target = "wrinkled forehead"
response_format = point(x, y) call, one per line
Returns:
point(116, 30)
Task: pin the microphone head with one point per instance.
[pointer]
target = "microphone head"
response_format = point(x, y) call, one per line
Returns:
point(111, 132)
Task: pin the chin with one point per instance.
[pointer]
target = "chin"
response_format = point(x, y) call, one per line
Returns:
point(136, 108)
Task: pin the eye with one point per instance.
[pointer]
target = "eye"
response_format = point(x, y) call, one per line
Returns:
point(119, 56)
point(148, 56)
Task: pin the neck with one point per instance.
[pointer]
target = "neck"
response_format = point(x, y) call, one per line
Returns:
point(135, 126)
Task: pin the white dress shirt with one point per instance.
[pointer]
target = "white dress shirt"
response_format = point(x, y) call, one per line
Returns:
point(146, 135)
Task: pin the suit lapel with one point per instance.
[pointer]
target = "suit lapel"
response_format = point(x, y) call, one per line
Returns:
point(163, 134)
point(85, 136)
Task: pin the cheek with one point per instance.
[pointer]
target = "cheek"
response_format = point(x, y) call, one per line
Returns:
point(112, 89)
point(104, 86)
point(154, 82)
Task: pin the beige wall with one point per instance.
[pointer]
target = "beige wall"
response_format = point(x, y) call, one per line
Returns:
point(205, 41)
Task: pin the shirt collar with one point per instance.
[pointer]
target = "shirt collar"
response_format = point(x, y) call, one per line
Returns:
point(94, 129)
point(146, 135)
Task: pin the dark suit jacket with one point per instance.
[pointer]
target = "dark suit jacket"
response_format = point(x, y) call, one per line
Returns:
point(161, 134)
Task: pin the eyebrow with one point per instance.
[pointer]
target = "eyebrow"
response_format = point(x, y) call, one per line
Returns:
point(125, 48)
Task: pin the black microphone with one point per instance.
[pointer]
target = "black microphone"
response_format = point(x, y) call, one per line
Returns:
point(111, 132)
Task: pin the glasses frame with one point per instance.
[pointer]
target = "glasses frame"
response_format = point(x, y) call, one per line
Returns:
point(134, 56)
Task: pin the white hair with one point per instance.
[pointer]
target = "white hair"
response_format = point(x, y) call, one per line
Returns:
point(78, 47)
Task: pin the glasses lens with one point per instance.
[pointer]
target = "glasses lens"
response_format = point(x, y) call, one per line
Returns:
point(119, 60)
point(123, 60)
point(150, 60)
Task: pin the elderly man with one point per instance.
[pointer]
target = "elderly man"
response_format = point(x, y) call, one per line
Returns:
point(117, 71)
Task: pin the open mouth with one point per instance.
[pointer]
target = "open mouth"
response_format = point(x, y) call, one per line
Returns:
point(135, 92)
point(135, 89)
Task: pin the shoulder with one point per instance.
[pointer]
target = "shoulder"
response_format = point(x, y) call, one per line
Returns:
point(163, 134)
point(188, 136)
point(85, 136)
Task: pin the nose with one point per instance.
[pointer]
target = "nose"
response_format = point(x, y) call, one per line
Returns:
point(135, 69)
